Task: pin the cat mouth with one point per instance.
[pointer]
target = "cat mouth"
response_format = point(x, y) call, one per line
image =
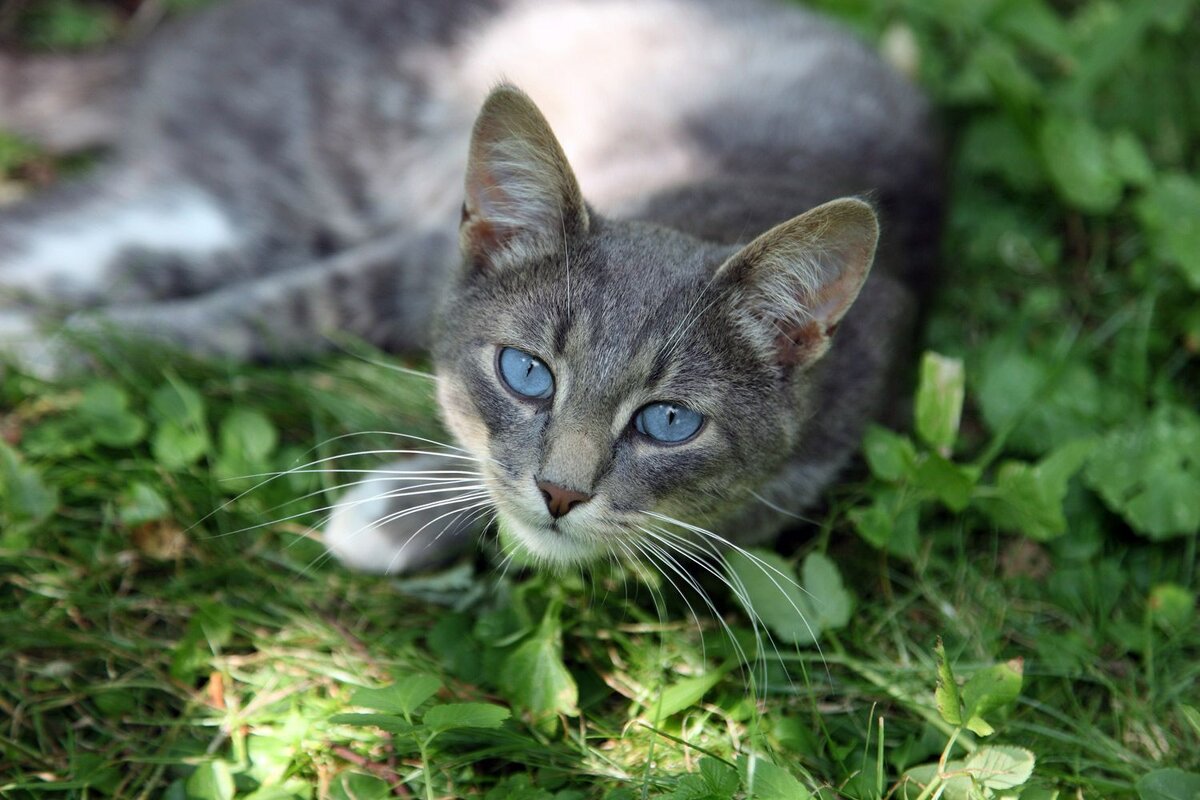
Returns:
point(546, 545)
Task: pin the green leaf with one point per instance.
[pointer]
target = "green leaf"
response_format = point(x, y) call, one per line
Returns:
point(178, 403)
point(1049, 403)
point(105, 411)
point(1171, 607)
point(1129, 159)
point(534, 676)
point(939, 401)
point(212, 780)
point(386, 722)
point(685, 693)
point(1034, 23)
point(889, 523)
point(1170, 214)
point(1077, 157)
point(993, 689)
point(770, 590)
point(998, 768)
point(827, 593)
point(946, 696)
point(994, 145)
point(714, 781)
point(181, 438)
point(766, 781)
point(890, 455)
point(248, 436)
point(1169, 784)
point(177, 448)
point(357, 786)
point(26, 500)
point(403, 697)
point(449, 716)
point(208, 630)
point(948, 482)
point(1028, 499)
point(1003, 68)
point(141, 503)
point(1149, 473)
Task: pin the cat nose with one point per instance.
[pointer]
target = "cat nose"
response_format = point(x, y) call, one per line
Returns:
point(559, 500)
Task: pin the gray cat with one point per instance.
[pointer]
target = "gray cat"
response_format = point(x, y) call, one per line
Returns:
point(652, 370)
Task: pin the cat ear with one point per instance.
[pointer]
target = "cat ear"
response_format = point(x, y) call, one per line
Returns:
point(522, 198)
point(798, 279)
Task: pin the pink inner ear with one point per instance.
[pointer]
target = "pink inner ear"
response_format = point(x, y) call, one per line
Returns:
point(802, 342)
point(831, 301)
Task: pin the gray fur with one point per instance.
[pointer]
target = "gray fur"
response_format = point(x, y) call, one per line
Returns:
point(317, 154)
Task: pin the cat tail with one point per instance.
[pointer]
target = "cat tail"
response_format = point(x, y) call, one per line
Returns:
point(64, 102)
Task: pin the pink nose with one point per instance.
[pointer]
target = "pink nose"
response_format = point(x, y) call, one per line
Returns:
point(559, 500)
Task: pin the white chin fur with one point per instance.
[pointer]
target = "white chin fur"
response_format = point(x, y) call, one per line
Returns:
point(550, 548)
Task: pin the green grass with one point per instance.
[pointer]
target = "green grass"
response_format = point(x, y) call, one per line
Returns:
point(159, 639)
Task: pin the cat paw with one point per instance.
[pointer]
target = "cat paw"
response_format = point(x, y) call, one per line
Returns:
point(404, 518)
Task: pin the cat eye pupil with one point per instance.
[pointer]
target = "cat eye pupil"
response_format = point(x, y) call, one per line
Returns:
point(525, 374)
point(667, 422)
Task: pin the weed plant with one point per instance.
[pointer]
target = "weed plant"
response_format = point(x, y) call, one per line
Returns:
point(1001, 603)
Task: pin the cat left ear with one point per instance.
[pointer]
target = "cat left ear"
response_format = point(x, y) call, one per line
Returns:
point(522, 199)
point(797, 280)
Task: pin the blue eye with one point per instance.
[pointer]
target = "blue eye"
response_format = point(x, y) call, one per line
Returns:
point(525, 374)
point(667, 422)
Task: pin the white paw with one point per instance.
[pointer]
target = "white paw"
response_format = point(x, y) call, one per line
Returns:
point(373, 530)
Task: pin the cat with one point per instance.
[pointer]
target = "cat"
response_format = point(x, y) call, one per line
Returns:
point(680, 362)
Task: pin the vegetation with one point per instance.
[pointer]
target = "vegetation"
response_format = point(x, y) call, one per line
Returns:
point(1002, 604)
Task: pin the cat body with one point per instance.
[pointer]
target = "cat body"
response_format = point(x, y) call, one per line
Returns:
point(284, 170)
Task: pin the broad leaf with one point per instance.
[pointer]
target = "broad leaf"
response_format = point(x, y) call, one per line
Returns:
point(827, 593)
point(991, 690)
point(1150, 473)
point(357, 786)
point(385, 722)
point(768, 586)
point(1170, 213)
point(1028, 498)
point(1171, 607)
point(714, 781)
point(948, 482)
point(1169, 784)
point(142, 503)
point(212, 780)
point(766, 781)
point(685, 693)
point(998, 768)
point(450, 716)
point(534, 676)
point(403, 697)
point(26, 500)
point(891, 456)
point(105, 411)
point(1077, 156)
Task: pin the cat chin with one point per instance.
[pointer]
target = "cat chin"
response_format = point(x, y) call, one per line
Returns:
point(544, 548)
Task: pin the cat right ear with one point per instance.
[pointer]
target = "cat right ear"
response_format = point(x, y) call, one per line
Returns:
point(796, 281)
point(522, 199)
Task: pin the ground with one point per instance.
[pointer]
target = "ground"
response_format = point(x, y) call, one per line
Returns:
point(170, 626)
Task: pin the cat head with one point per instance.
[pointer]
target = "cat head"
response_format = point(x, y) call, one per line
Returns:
point(605, 371)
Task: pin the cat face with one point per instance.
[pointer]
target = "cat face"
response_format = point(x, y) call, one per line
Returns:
point(608, 371)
